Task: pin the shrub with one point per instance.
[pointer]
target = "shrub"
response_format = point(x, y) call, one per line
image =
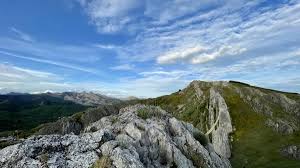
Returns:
point(114, 119)
point(146, 113)
point(200, 137)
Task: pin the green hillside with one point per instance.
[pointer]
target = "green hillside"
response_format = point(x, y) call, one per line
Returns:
point(24, 112)
point(255, 144)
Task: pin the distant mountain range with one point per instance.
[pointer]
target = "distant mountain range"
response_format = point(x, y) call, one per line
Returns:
point(21, 111)
point(207, 124)
point(86, 98)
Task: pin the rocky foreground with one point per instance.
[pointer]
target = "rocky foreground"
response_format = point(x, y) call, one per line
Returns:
point(139, 136)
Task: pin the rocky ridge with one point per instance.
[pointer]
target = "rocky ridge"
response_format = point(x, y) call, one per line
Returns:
point(88, 98)
point(139, 136)
point(242, 122)
point(220, 122)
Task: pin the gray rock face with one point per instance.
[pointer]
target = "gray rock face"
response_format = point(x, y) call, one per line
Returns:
point(220, 124)
point(283, 113)
point(53, 151)
point(127, 139)
point(291, 151)
point(281, 126)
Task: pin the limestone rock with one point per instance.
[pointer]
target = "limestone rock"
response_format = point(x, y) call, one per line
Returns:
point(291, 151)
point(127, 139)
point(281, 126)
point(220, 124)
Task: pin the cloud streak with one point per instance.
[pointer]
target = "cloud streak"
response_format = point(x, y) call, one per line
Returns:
point(22, 35)
point(60, 64)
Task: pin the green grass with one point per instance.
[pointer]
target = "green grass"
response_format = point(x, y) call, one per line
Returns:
point(148, 112)
point(256, 145)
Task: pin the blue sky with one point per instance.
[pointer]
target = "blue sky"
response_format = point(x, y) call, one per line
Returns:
point(147, 48)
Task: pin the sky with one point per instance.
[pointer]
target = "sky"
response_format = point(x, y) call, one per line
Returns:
point(147, 48)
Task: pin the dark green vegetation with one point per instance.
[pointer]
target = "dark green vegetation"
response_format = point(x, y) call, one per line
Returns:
point(254, 144)
point(24, 112)
point(148, 112)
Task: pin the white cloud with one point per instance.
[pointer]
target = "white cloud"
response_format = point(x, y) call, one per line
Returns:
point(10, 73)
point(198, 54)
point(123, 67)
point(22, 35)
point(152, 86)
point(175, 73)
point(110, 16)
point(182, 54)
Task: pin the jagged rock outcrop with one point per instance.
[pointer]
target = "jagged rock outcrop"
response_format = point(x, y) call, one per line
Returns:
point(292, 151)
point(139, 136)
point(220, 124)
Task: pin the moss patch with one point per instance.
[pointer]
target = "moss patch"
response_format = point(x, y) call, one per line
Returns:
point(103, 162)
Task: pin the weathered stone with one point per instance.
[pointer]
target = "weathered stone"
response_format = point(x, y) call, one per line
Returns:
point(281, 126)
point(291, 151)
point(220, 124)
point(126, 139)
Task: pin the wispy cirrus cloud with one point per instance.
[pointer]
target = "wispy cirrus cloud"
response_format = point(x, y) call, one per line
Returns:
point(45, 61)
point(114, 16)
point(11, 73)
point(22, 35)
point(110, 16)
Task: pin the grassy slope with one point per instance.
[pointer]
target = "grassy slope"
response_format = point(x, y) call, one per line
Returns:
point(254, 145)
point(192, 111)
